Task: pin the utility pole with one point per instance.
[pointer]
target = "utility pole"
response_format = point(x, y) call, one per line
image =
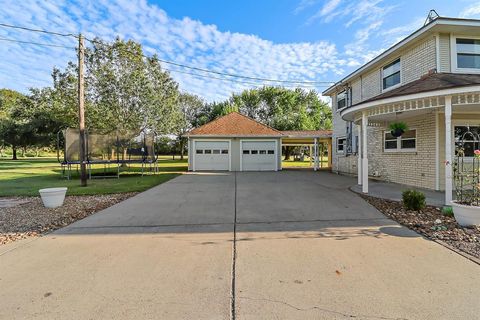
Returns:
point(81, 112)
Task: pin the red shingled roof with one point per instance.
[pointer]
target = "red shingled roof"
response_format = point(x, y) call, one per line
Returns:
point(235, 124)
point(308, 133)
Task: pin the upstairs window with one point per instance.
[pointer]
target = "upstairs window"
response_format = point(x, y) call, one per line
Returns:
point(341, 100)
point(391, 74)
point(468, 53)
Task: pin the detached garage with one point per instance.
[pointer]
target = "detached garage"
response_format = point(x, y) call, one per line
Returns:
point(234, 143)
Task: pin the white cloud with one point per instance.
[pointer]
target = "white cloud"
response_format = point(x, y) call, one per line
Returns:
point(471, 11)
point(186, 41)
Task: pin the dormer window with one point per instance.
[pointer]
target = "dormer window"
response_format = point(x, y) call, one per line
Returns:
point(468, 53)
point(341, 99)
point(391, 74)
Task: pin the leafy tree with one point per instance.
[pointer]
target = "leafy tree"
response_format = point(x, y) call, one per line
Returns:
point(189, 107)
point(280, 108)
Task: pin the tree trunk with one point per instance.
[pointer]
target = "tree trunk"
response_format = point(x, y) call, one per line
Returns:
point(288, 151)
point(182, 149)
point(14, 153)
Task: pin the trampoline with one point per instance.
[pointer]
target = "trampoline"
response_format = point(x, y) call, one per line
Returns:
point(116, 149)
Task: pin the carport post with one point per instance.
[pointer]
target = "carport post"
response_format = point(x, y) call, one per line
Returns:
point(359, 155)
point(315, 146)
point(364, 153)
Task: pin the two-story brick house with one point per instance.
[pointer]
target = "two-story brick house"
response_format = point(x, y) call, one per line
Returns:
point(431, 81)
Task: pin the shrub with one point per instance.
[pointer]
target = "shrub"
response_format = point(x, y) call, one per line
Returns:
point(413, 199)
point(447, 211)
point(398, 126)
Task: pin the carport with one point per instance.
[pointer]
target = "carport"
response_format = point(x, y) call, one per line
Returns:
point(319, 142)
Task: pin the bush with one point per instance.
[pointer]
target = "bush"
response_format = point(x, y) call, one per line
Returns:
point(413, 200)
point(447, 211)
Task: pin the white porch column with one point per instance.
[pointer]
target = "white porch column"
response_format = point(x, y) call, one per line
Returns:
point(315, 152)
point(364, 153)
point(448, 150)
point(359, 155)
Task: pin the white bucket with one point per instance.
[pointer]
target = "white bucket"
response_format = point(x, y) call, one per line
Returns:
point(466, 215)
point(53, 197)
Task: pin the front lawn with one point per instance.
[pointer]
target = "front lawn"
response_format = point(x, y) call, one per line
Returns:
point(24, 177)
point(302, 164)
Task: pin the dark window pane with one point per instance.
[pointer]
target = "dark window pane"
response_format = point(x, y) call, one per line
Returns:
point(254, 151)
point(409, 134)
point(391, 80)
point(467, 60)
point(246, 151)
point(199, 151)
point(341, 99)
point(271, 152)
point(390, 144)
point(263, 151)
point(225, 151)
point(208, 151)
point(216, 151)
point(391, 68)
point(408, 144)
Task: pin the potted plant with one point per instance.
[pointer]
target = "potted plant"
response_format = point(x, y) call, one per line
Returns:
point(53, 197)
point(397, 128)
point(466, 175)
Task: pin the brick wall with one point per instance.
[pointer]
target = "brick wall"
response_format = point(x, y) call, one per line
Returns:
point(418, 60)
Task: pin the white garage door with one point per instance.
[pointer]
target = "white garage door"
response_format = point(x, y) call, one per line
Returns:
point(259, 156)
point(212, 155)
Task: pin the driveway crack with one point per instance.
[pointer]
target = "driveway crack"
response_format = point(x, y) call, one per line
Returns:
point(346, 315)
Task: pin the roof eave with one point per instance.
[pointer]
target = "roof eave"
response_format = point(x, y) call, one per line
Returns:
point(408, 39)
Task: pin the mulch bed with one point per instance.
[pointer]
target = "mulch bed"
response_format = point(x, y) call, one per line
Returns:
point(29, 218)
point(431, 223)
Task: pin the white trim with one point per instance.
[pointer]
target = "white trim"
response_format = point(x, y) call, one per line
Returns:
point(260, 140)
point(382, 77)
point(344, 144)
point(364, 153)
point(437, 151)
point(453, 54)
point(437, 51)
point(194, 141)
point(399, 143)
point(422, 95)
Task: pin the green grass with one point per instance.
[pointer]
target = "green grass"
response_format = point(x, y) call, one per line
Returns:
point(302, 164)
point(24, 177)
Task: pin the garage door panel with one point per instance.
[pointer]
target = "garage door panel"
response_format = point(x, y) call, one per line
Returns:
point(259, 156)
point(212, 155)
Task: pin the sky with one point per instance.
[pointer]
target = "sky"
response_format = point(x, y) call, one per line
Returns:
point(317, 41)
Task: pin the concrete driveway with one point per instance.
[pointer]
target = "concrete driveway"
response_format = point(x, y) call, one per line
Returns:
point(286, 245)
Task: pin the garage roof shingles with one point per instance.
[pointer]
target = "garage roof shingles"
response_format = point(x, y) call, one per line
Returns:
point(235, 124)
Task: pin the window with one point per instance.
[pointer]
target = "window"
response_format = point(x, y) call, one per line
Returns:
point(342, 99)
point(391, 74)
point(271, 152)
point(467, 137)
point(208, 151)
point(246, 151)
point(224, 151)
point(468, 53)
point(407, 142)
point(263, 151)
point(341, 145)
point(254, 151)
point(216, 151)
point(199, 151)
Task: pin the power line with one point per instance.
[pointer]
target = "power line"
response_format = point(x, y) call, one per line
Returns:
point(242, 82)
point(36, 43)
point(313, 83)
point(38, 30)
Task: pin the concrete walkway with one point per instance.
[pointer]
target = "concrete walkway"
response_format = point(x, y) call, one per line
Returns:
point(393, 191)
point(286, 245)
